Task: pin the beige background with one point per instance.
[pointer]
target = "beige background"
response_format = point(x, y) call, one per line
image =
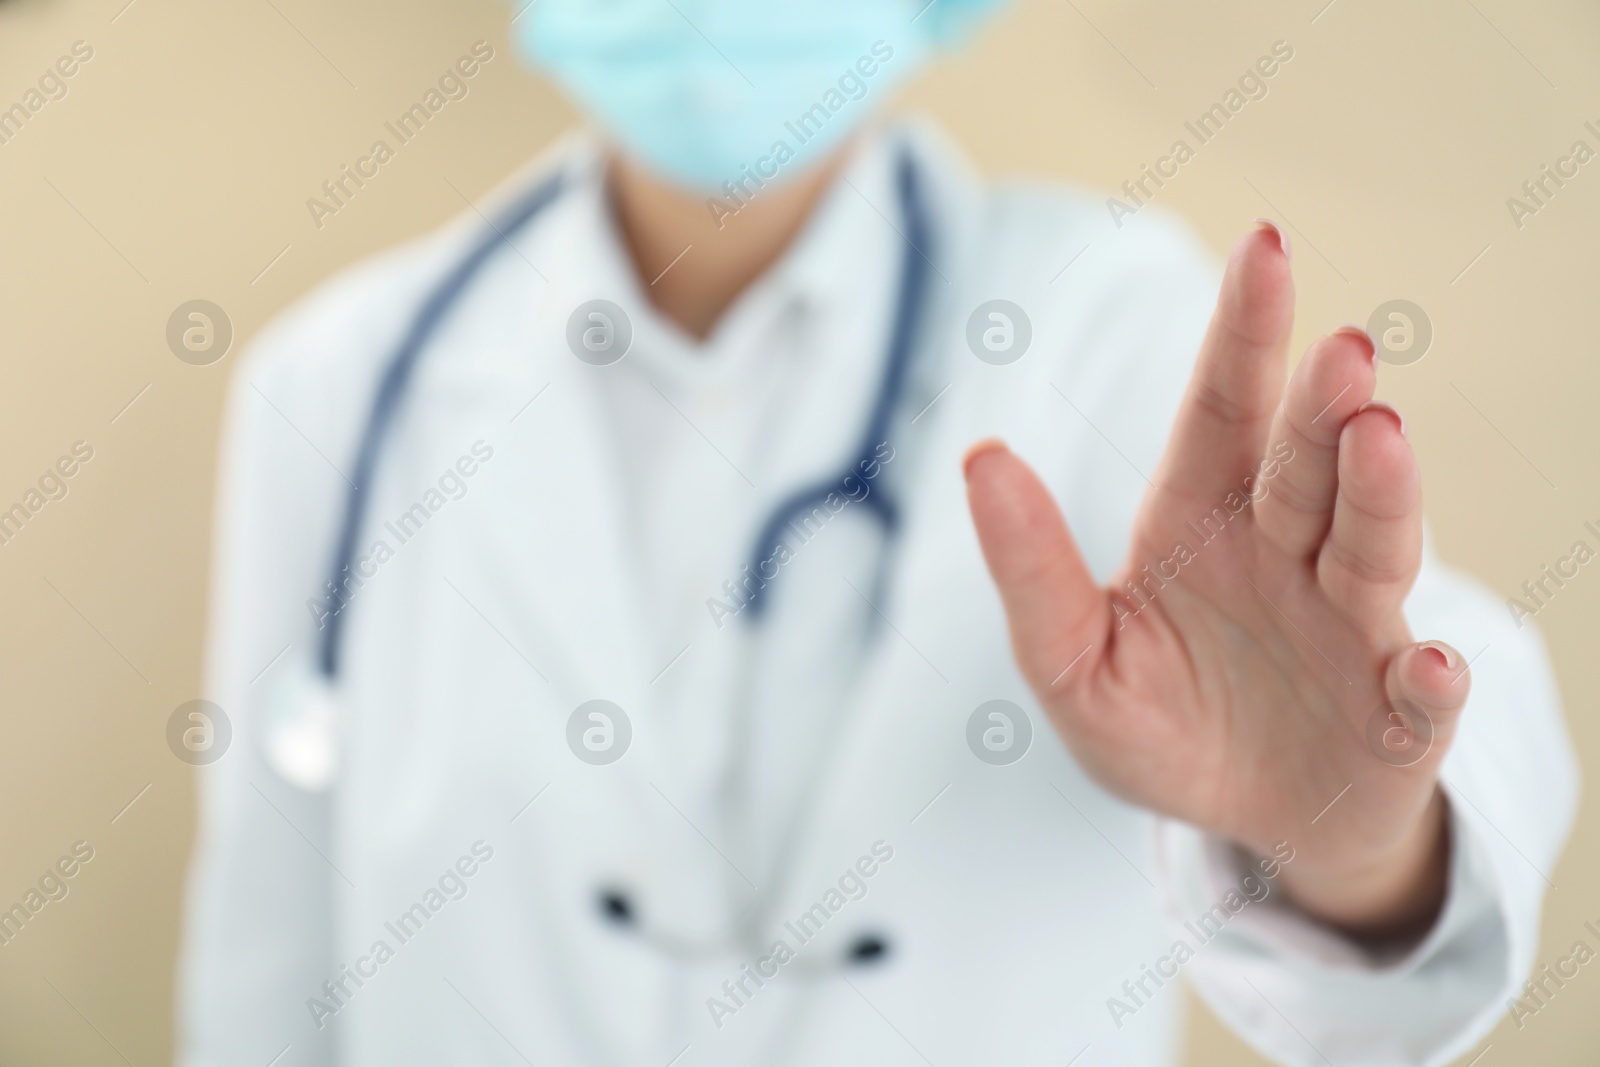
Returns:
point(178, 167)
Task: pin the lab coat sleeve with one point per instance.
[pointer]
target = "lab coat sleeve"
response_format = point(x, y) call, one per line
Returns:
point(1301, 994)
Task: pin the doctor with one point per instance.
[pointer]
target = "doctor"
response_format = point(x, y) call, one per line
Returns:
point(641, 648)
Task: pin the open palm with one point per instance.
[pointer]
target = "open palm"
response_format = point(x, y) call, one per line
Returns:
point(1248, 665)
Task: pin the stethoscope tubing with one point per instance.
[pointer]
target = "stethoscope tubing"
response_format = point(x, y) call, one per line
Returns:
point(902, 345)
point(435, 309)
point(908, 317)
point(391, 392)
point(392, 389)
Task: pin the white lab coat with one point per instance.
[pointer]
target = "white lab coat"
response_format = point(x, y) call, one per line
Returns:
point(1018, 899)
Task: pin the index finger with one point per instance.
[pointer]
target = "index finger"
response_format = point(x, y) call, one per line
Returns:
point(1238, 378)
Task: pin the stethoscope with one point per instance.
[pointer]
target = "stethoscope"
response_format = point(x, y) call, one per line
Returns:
point(621, 907)
point(302, 742)
point(615, 903)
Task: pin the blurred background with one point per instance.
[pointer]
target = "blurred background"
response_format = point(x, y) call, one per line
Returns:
point(177, 165)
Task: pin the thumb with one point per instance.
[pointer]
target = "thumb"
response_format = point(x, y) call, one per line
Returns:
point(1427, 684)
point(1055, 610)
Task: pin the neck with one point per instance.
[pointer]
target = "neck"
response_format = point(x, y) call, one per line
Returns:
point(658, 222)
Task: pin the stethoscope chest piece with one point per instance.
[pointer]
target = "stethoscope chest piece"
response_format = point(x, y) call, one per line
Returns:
point(300, 726)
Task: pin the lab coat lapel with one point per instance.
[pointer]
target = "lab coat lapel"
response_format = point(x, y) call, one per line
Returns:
point(560, 530)
point(585, 541)
point(572, 582)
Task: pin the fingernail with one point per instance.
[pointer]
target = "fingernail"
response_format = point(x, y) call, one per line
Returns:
point(1378, 405)
point(1277, 231)
point(1350, 329)
point(988, 444)
point(1446, 655)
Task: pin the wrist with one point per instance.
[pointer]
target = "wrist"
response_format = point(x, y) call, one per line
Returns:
point(1388, 897)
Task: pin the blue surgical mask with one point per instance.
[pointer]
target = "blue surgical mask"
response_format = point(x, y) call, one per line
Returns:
point(708, 92)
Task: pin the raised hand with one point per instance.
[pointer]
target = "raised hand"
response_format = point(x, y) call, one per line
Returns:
point(1248, 665)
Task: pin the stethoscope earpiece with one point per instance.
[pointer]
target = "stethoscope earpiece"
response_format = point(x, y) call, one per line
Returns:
point(868, 949)
point(616, 908)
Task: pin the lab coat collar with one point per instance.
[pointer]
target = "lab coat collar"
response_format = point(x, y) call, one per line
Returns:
point(822, 268)
point(578, 258)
